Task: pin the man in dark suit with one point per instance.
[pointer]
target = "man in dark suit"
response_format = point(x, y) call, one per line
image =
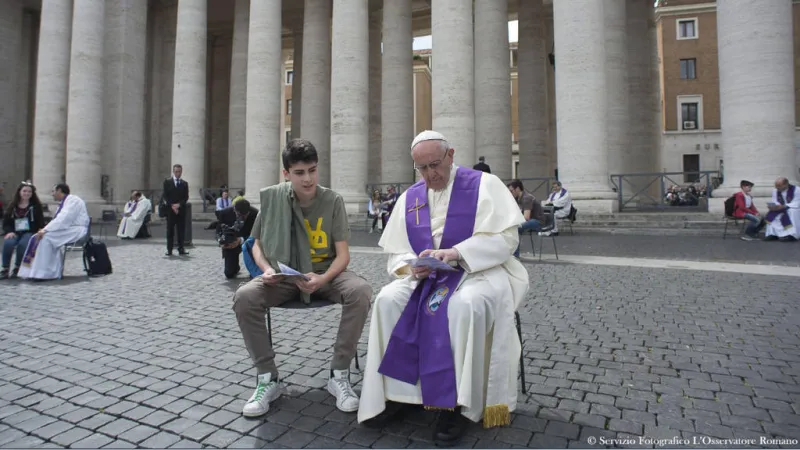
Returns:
point(482, 166)
point(234, 226)
point(176, 195)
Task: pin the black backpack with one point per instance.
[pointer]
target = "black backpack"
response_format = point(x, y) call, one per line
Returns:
point(730, 205)
point(95, 258)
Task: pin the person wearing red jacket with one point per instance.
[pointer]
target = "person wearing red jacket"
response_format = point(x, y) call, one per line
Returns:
point(745, 209)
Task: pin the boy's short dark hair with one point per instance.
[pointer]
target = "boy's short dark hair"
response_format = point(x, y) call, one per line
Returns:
point(745, 183)
point(517, 184)
point(63, 187)
point(297, 151)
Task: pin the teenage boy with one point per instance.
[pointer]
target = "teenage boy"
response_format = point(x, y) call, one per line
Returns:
point(304, 226)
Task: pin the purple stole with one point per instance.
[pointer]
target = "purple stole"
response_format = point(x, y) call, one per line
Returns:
point(419, 348)
point(33, 243)
point(560, 194)
point(786, 222)
point(125, 225)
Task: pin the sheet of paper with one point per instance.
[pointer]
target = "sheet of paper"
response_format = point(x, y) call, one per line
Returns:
point(432, 263)
point(288, 272)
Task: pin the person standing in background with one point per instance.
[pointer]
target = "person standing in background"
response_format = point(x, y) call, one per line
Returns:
point(176, 195)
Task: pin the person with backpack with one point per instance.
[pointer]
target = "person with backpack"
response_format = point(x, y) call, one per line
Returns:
point(744, 208)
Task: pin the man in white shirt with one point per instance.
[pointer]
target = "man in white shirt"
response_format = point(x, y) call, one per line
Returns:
point(136, 211)
point(42, 260)
point(561, 202)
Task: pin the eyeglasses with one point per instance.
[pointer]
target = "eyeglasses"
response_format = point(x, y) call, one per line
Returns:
point(432, 166)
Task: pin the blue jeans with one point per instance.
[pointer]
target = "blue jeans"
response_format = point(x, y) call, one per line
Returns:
point(17, 242)
point(756, 224)
point(530, 225)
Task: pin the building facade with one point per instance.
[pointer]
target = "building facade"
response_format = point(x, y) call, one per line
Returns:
point(108, 94)
point(691, 38)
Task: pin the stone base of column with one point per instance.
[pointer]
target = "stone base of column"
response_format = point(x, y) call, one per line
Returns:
point(355, 203)
point(593, 206)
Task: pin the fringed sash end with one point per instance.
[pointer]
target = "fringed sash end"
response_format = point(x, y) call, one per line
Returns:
point(496, 415)
point(436, 408)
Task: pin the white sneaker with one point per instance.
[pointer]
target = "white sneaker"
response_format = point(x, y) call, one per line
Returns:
point(339, 386)
point(267, 391)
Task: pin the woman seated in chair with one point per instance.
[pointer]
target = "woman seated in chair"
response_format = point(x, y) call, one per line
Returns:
point(22, 219)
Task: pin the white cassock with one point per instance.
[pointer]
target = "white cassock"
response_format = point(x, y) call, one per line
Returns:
point(70, 224)
point(485, 345)
point(129, 226)
point(560, 201)
point(776, 227)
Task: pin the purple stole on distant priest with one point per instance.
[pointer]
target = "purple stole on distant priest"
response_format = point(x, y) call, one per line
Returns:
point(125, 225)
point(33, 243)
point(419, 348)
point(785, 220)
point(560, 194)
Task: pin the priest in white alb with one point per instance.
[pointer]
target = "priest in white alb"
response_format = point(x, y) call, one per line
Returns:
point(783, 218)
point(42, 260)
point(445, 339)
point(132, 219)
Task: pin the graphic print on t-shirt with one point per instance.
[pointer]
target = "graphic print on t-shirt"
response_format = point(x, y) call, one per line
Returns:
point(318, 240)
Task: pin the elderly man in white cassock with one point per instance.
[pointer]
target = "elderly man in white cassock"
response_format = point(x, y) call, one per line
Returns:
point(443, 338)
point(132, 219)
point(42, 260)
point(783, 218)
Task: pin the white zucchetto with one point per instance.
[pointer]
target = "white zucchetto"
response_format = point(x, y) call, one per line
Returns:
point(427, 135)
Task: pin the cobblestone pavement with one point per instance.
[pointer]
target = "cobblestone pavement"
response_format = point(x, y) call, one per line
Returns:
point(151, 357)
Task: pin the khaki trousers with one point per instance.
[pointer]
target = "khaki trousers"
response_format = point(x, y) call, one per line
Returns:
point(251, 300)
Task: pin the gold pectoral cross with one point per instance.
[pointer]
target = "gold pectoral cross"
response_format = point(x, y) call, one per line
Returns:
point(416, 208)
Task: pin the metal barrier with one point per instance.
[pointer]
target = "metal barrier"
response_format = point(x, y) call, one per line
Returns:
point(665, 191)
point(383, 187)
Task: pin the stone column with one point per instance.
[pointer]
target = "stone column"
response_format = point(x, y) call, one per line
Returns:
point(26, 77)
point(315, 123)
point(374, 155)
point(618, 123)
point(297, 82)
point(189, 95)
point(552, 141)
point(643, 92)
point(52, 94)
point(757, 98)
point(264, 88)
point(126, 70)
point(11, 59)
point(581, 98)
point(350, 102)
point(453, 96)
point(493, 86)
point(397, 93)
point(237, 111)
point(532, 85)
point(85, 112)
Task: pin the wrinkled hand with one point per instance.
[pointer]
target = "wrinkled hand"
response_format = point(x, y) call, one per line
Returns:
point(9, 236)
point(446, 255)
point(175, 208)
point(268, 277)
point(40, 233)
point(312, 285)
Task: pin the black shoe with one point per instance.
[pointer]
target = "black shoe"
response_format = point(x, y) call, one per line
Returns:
point(450, 426)
point(15, 272)
point(168, 253)
point(394, 412)
point(182, 252)
point(771, 238)
point(787, 239)
point(4, 274)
